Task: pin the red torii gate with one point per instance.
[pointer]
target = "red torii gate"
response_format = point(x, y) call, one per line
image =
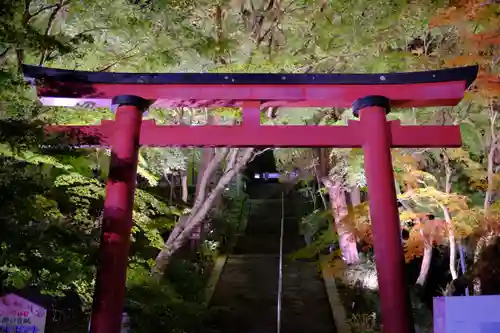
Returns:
point(370, 95)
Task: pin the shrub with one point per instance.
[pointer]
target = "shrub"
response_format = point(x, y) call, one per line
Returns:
point(162, 306)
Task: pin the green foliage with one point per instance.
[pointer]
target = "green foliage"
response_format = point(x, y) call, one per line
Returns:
point(315, 222)
point(74, 116)
point(161, 306)
point(152, 217)
point(52, 199)
point(471, 136)
point(363, 304)
point(318, 227)
point(230, 220)
point(364, 323)
point(164, 161)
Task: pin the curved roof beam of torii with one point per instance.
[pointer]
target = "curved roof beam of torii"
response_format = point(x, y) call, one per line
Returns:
point(57, 87)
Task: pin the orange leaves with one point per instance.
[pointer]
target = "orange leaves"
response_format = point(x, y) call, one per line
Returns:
point(433, 232)
point(465, 60)
point(406, 167)
point(467, 10)
point(414, 245)
point(485, 39)
point(357, 222)
point(475, 47)
point(407, 215)
point(486, 89)
point(488, 86)
point(432, 198)
point(400, 160)
point(473, 8)
point(333, 267)
point(468, 223)
point(475, 223)
point(490, 78)
point(490, 225)
point(446, 16)
point(481, 185)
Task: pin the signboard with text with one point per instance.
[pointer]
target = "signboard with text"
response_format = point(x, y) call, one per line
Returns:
point(18, 315)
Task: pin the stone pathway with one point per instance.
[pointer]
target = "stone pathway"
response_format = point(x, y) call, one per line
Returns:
point(246, 295)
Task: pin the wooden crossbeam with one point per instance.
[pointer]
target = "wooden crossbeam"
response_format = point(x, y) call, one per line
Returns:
point(348, 136)
point(57, 87)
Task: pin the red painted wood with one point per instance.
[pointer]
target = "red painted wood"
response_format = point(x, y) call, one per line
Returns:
point(250, 115)
point(430, 136)
point(267, 135)
point(109, 295)
point(401, 95)
point(394, 299)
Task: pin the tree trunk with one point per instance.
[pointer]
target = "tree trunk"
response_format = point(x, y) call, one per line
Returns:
point(355, 195)
point(210, 162)
point(184, 229)
point(493, 143)
point(491, 174)
point(447, 217)
point(453, 243)
point(483, 265)
point(201, 192)
point(321, 170)
point(426, 263)
point(483, 241)
point(322, 196)
point(338, 202)
point(172, 189)
point(427, 256)
point(491, 147)
point(185, 188)
point(481, 244)
point(487, 264)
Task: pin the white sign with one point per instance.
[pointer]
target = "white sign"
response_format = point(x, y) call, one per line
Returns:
point(467, 314)
point(18, 315)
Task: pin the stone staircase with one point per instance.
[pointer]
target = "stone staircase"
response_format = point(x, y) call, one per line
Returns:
point(245, 298)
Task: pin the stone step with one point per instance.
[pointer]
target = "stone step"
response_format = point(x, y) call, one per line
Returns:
point(245, 298)
point(261, 227)
point(305, 302)
point(268, 244)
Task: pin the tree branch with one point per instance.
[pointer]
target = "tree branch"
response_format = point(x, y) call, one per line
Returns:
point(257, 154)
point(192, 222)
point(44, 8)
point(200, 198)
point(50, 24)
point(232, 159)
point(3, 55)
point(124, 56)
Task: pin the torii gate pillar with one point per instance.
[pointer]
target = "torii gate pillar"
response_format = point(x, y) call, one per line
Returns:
point(109, 295)
point(394, 299)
